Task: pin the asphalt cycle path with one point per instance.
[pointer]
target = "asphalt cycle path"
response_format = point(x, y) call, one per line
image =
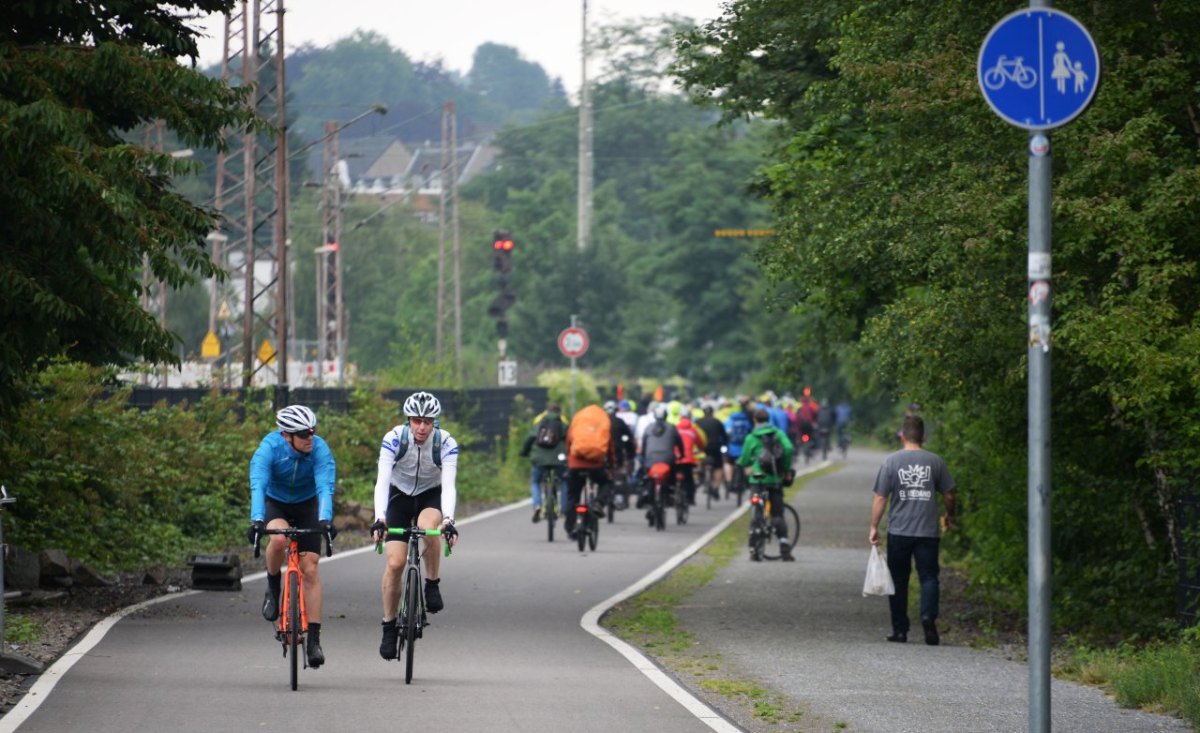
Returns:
point(804, 630)
point(507, 654)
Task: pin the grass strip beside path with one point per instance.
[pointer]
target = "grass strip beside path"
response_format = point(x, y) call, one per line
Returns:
point(648, 622)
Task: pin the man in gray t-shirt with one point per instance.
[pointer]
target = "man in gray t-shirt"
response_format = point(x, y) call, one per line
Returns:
point(909, 481)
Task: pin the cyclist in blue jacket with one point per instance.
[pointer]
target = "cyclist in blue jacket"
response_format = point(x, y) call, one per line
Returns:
point(292, 478)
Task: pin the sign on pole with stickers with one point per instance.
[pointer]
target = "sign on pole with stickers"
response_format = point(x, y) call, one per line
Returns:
point(1039, 69)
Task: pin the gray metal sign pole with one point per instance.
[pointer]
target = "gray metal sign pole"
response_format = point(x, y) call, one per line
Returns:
point(574, 320)
point(1039, 433)
point(1038, 69)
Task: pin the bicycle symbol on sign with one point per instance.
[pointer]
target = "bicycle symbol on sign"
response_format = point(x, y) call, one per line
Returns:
point(1006, 70)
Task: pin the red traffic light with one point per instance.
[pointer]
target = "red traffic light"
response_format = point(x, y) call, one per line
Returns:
point(502, 245)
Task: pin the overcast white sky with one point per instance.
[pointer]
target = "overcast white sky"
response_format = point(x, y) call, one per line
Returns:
point(545, 31)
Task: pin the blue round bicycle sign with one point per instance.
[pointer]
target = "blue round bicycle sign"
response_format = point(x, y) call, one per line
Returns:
point(1038, 68)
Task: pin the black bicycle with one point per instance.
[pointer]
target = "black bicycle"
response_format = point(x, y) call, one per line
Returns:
point(709, 483)
point(764, 544)
point(412, 618)
point(659, 494)
point(587, 524)
point(550, 487)
point(681, 501)
point(737, 486)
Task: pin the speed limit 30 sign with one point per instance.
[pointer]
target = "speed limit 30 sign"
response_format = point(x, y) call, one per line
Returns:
point(573, 342)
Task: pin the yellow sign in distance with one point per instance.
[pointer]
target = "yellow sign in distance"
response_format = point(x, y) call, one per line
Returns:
point(224, 313)
point(210, 348)
point(266, 352)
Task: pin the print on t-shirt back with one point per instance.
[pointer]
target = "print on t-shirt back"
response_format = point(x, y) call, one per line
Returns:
point(914, 482)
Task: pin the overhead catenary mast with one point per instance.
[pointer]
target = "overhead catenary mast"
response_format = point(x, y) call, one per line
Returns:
point(584, 206)
point(251, 193)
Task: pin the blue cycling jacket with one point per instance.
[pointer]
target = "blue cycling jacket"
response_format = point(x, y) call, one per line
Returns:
point(289, 476)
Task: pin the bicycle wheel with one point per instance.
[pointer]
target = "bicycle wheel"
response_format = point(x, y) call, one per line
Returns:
point(706, 484)
point(610, 503)
point(770, 546)
point(660, 515)
point(793, 522)
point(593, 533)
point(293, 623)
point(758, 534)
point(412, 617)
point(550, 505)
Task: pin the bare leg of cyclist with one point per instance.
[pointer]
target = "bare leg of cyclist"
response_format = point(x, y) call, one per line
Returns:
point(397, 555)
point(312, 586)
point(431, 518)
point(276, 547)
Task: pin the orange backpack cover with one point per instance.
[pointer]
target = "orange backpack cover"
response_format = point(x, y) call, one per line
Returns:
point(590, 434)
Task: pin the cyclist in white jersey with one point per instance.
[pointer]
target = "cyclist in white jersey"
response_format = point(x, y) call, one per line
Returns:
point(412, 482)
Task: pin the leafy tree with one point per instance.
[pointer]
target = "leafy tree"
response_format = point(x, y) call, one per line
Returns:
point(83, 206)
point(509, 82)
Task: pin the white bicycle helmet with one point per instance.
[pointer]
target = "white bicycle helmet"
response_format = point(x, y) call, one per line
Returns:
point(660, 411)
point(295, 418)
point(422, 404)
point(610, 407)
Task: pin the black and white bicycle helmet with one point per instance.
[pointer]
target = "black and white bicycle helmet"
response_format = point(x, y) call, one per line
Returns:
point(422, 404)
point(295, 418)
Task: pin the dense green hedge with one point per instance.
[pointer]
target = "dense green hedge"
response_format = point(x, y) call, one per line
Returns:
point(121, 488)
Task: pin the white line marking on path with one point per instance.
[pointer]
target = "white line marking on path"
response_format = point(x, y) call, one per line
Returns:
point(591, 623)
point(41, 689)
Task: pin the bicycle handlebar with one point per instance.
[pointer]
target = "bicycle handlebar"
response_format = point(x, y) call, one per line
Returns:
point(293, 533)
point(400, 531)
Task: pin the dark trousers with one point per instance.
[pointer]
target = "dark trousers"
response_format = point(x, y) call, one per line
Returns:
point(901, 552)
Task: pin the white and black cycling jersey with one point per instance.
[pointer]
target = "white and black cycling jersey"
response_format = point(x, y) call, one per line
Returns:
point(416, 472)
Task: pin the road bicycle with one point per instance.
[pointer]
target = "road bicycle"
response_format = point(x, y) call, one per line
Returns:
point(763, 542)
point(659, 495)
point(843, 442)
point(292, 624)
point(551, 484)
point(587, 524)
point(737, 486)
point(681, 500)
point(708, 484)
point(411, 618)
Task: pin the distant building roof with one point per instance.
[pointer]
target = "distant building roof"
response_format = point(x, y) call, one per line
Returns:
point(397, 168)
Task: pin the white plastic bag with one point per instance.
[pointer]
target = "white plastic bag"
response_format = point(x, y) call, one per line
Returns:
point(879, 578)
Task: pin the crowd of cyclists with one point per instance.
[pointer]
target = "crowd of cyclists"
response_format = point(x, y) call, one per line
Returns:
point(682, 441)
point(616, 447)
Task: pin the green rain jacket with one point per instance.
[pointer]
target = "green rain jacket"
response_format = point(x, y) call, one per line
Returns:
point(753, 446)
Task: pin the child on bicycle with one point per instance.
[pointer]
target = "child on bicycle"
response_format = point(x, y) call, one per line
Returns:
point(418, 464)
point(769, 475)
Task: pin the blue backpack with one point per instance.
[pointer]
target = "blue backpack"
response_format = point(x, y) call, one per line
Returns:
point(405, 431)
point(739, 428)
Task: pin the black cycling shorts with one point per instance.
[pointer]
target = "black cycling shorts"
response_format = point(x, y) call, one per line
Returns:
point(302, 514)
point(403, 509)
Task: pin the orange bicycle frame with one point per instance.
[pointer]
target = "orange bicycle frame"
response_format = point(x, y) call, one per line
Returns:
point(285, 593)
